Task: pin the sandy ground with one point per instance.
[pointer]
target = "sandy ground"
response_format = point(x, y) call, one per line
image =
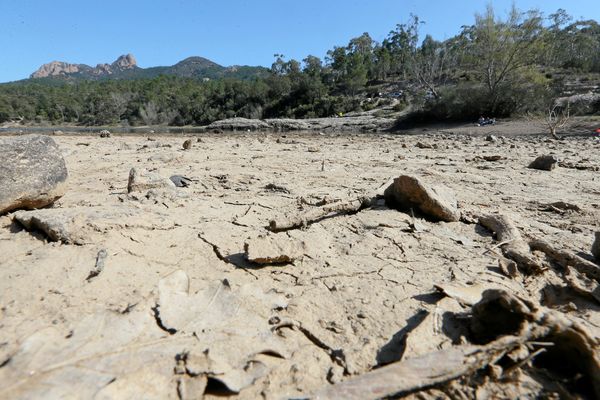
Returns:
point(365, 280)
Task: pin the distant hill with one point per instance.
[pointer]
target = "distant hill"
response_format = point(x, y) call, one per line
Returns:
point(125, 67)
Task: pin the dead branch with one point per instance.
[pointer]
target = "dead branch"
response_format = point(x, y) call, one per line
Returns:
point(420, 372)
point(565, 338)
point(312, 215)
point(557, 117)
point(566, 258)
point(514, 247)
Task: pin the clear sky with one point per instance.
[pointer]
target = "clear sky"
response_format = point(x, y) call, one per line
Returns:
point(229, 32)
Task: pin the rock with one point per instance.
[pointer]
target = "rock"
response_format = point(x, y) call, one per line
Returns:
point(187, 144)
point(142, 179)
point(354, 123)
point(492, 158)
point(491, 138)
point(408, 192)
point(33, 173)
point(284, 125)
point(180, 181)
point(596, 247)
point(124, 62)
point(239, 124)
point(271, 187)
point(545, 163)
point(422, 145)
point(60, 68)
point(273, 249)
point(81, 225)
point(104, 133)
point(56, 68)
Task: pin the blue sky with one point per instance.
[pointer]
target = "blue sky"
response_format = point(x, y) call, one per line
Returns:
point(229, 32)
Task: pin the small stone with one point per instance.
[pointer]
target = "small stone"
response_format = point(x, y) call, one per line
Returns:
point(422, 145)
point(492, 158)
point(141, 179)
point(180, 181)
point(491, 138)
point(544, 163)
point(273, 249)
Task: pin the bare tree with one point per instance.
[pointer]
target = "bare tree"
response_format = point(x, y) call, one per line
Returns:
point(557, 117)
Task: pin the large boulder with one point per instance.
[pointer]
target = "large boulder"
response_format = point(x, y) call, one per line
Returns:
point(33, 173)
point(409, 192)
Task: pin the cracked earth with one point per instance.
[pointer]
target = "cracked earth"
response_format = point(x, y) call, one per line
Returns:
point(344, 306)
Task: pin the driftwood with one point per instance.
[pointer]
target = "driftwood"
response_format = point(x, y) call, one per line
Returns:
point(589, 288)
point(418, 373)
point(312, 215)
point(513, 245)
point(517, 249)
point(565, 258)
point(504, 322)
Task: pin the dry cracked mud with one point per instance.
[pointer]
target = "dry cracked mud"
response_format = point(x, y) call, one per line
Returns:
point(169, 265)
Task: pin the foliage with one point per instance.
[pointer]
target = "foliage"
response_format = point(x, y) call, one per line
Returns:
point(496, 67)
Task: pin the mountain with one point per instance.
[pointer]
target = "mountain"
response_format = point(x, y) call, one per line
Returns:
point(125, 67)
point(60, 68)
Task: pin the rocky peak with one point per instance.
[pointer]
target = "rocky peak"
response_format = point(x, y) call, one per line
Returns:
point(55, 68)
point(126, 61)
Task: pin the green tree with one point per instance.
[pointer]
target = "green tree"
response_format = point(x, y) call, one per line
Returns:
point(500, 51)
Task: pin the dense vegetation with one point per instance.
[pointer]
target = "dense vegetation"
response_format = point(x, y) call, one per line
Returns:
point(494, 67)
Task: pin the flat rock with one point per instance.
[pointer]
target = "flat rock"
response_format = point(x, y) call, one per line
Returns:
point(79, 225)
point(544, 163)
point(239, 124)
point(408, 192)
point(273, 249)
point(142, 179)
point(33, 173)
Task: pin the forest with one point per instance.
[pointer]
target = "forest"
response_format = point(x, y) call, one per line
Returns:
point(499, 66)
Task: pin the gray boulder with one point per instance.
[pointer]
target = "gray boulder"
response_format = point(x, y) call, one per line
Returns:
point(33, 173)
point(409, 192)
